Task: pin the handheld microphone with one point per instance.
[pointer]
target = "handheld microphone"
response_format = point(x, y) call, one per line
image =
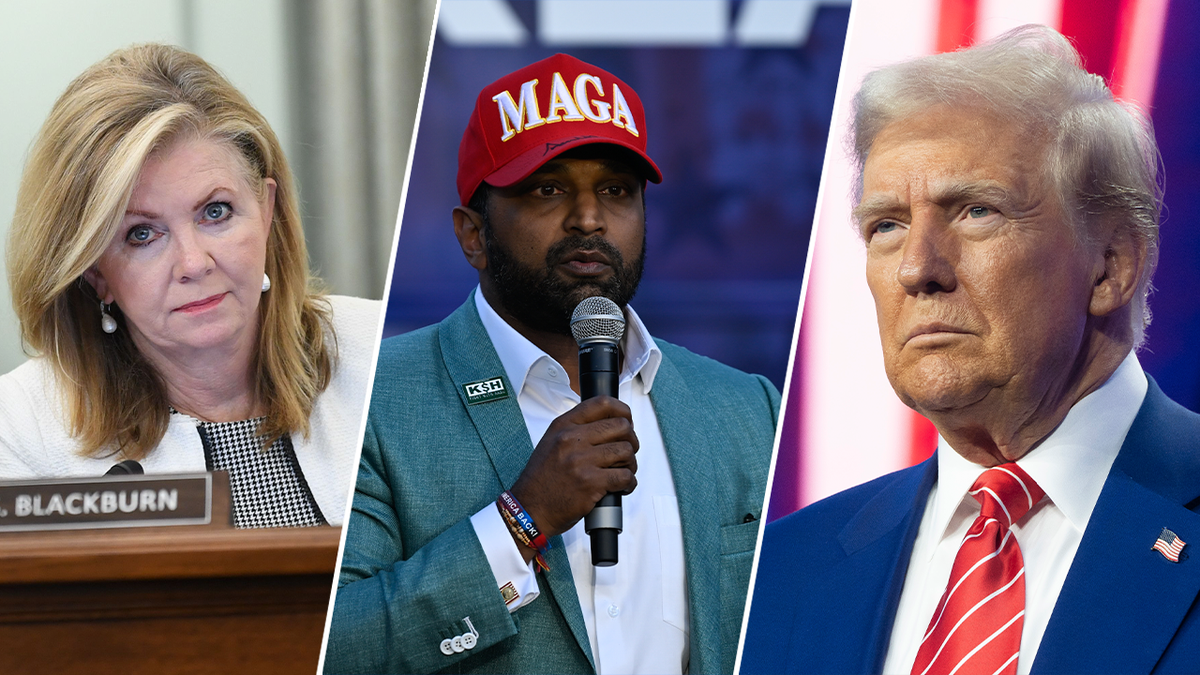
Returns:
point(125, 468)
point(598, 324)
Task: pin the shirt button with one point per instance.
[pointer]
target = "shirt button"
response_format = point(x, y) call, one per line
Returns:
point(448, 647)
point(614, 611)
point(553, 372)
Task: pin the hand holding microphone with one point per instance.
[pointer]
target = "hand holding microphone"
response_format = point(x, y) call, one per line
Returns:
point(587, 456)
point(598, 325)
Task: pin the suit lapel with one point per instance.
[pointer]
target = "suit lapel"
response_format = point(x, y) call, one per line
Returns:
point(469, 357)
point(1122, 602)
point(1130, 598)
point(878, 543)
point(688, 453)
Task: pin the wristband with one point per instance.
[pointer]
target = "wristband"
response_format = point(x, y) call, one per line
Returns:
point(519, 533)
point(522, 526)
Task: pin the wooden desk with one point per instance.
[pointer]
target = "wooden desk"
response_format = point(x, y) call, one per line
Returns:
point(165, 600)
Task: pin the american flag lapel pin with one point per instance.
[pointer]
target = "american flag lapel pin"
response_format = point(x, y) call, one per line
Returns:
point(1169, 545)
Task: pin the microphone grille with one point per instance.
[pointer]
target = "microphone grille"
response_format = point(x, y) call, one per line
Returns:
point(597, 318)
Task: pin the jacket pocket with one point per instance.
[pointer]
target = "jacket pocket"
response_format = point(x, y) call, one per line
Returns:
point(739, 538)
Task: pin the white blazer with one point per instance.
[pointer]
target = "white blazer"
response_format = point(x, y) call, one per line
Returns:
point(35, 441)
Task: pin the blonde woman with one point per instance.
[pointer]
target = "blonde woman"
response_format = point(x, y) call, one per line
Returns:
point(159, 271)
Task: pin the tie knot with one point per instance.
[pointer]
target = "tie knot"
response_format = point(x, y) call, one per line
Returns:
point(1006, 493)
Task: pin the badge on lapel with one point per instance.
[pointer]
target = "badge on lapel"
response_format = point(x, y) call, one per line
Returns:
point(1169, 545)
point(485, 391)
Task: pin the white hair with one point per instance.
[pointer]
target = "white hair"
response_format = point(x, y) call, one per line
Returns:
point(1100, 153)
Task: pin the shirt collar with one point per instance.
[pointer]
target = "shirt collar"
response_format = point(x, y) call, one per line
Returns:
point(1072, 463)
point(519, 356)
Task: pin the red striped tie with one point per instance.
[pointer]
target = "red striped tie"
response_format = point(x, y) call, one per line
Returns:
point(976, 627)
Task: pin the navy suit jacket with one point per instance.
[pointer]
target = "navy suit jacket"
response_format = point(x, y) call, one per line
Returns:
point(830, 575)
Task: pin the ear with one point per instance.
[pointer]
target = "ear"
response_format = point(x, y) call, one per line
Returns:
point(468, 229)
point(96, 280)
point(268, 209)
point(1116, 279)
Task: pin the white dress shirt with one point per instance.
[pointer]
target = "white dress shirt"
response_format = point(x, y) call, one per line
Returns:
point(636, 611)
point(1071, 466)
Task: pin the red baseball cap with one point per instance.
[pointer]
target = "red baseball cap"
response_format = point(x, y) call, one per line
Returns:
point(531, 115)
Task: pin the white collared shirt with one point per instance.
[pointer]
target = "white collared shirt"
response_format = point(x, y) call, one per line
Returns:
point(1071, 466)
point(636, 611)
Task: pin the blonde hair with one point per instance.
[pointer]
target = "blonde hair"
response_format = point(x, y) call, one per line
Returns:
point(1100, 152)
point(77, 184)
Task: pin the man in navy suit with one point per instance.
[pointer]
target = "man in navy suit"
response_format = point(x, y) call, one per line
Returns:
point(1009, 207)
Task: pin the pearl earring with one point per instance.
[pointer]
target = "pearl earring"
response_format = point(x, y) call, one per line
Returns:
point(266, 283)
point(107, 323)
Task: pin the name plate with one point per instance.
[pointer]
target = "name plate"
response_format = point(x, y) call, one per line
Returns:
point(114, 501)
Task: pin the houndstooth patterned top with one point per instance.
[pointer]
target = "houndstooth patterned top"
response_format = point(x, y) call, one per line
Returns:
point(268, 486)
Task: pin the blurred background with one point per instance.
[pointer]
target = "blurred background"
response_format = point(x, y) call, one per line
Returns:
point(339, 81)
point(844, 425)
point(738, 96)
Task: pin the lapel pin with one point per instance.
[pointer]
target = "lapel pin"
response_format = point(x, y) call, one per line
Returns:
point(484, 391)
point(1169, 545)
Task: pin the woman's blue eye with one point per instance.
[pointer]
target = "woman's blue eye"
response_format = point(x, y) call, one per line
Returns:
point(217, 211)
point(140, 235)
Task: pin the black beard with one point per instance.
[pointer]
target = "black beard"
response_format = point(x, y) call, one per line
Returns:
point(543, 300)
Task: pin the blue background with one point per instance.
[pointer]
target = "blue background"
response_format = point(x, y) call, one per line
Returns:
point(1171, 355)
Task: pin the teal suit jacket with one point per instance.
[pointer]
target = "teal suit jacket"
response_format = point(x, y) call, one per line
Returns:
point(413, 569)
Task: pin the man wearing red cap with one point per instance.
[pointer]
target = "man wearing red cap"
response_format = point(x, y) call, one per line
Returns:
point(466, 549)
